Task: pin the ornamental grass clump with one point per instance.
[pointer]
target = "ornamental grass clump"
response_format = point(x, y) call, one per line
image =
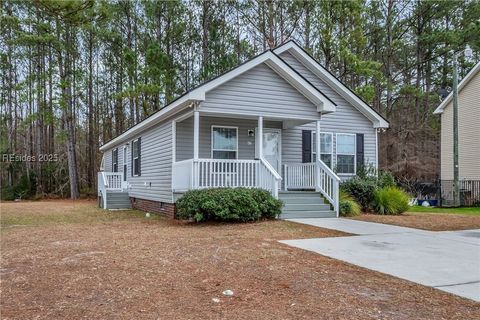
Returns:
point(390, 200)
point(348, 206)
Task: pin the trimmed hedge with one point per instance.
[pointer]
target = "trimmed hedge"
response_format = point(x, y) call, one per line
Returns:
point(391, 201)
point(228, 204)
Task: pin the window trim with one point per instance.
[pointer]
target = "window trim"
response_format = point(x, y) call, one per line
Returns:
point(211, 141)
point(133, 157)
point(314, 143)
point(354, 154)
point(115, 159)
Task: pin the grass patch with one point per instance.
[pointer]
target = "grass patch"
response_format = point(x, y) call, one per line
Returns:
point(31, 213)
point(469, 211)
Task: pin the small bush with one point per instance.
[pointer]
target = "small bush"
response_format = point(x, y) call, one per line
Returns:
point(348, 206)
point(228, 204)
point(391, 200)
point(361, 189)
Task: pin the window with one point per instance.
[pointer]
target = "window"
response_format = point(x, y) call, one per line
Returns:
point(125, 163)
point(326, 148)
point(136, 157)
point(224, 142)
point(346, 153)
point(115, 160)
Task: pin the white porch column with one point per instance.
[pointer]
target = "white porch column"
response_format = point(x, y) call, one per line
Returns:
point(317, 140)
point(196, 134)
point(317, 169)
point(260, 137)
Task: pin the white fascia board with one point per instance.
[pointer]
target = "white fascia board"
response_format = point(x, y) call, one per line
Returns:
point(334, 83)
point(462, 84)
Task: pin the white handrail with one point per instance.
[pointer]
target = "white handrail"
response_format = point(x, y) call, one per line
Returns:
point(328, 183)
point(275, 182)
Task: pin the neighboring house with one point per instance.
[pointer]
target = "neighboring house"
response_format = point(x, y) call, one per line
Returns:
point(279, 121)
point(468, 136)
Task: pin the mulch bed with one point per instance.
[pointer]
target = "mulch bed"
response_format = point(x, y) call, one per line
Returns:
point(162, 269)
point(432, 222)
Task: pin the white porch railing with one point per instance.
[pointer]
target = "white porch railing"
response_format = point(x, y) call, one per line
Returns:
point(299, 175)
point(220, 173)
point(113, 181)
point(313, 175)
point(109, 181)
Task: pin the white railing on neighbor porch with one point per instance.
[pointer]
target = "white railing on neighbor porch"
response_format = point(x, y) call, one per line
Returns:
point(220, 173)
point(313, 175)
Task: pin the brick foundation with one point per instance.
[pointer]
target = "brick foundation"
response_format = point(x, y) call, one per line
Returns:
point(166, 209)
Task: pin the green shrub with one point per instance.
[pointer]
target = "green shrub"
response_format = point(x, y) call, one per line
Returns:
point(270, 208)
point(385, 180)
point(390, 200)
point(228, 204)
point(348, 206)
point(361, 189)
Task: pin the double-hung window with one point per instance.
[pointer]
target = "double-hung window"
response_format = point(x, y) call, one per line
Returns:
point(326, 148)
point(346, 153)
point(115, 160)
point(136, 157)
point(224, 142)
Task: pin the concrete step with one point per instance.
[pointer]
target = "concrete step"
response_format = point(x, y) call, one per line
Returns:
point(311, 200)
point(298, 194)
point(289, 207)
point(307, 214)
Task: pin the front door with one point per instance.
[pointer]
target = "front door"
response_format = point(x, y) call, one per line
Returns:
point(272, 147)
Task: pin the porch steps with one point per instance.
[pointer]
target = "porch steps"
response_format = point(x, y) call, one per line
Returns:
point(304, 204)
point(118, 200)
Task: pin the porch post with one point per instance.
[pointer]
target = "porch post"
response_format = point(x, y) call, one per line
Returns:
point(196, 132)
point(196, 138)
point(260, 137)
point(317, 169)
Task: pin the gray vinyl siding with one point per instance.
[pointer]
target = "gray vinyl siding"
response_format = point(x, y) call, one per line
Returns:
point(246, 144)
point(156, 164)
point(259, 91)
point(346, 119)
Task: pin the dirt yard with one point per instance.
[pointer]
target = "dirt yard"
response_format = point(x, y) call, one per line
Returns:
point(69, 260)
point(427, 221)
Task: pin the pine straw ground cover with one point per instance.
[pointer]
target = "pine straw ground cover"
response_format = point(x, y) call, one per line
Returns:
point(64, 260)
point(433, 221)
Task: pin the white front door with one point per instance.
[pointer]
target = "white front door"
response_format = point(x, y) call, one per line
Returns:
point(272, 147)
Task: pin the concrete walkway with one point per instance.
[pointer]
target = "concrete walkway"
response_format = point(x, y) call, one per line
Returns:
point(448, 261)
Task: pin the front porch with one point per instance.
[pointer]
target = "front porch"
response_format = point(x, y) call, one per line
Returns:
point(218, 150)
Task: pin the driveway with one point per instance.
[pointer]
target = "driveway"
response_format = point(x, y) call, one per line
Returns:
point(448, 261)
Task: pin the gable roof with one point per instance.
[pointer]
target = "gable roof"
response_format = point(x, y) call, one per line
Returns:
point(461, 85)
point(320, 71)
point(321, 101)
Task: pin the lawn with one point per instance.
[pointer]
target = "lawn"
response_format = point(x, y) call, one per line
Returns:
point(433, 219)
point(468, 211)
point(69, 260)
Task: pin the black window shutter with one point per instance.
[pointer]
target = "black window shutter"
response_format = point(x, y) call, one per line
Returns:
point(140, 156)
point(360, 150)
point(306, 146)
point(131, 159)
point(113, 160)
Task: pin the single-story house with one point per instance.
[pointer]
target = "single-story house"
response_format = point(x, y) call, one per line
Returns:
point(279, 121)
point(468, 139)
